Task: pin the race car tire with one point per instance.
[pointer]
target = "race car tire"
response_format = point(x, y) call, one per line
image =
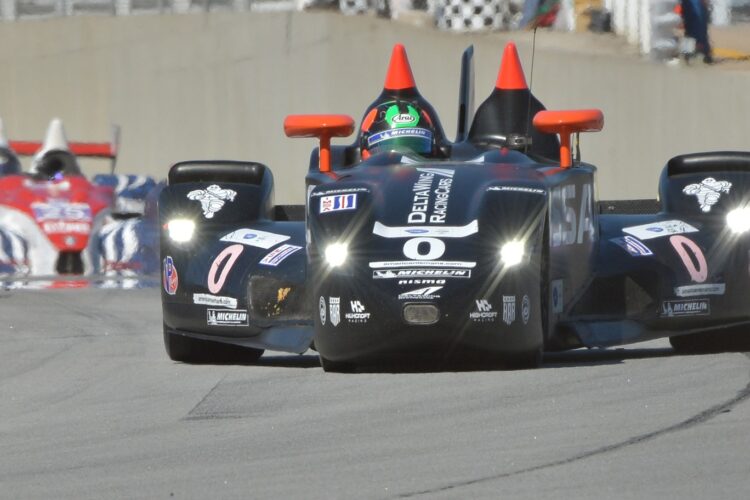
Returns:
point(525, 361)
point(735, 339)
point(188, 350)
point(336, 366)
point(689, 344)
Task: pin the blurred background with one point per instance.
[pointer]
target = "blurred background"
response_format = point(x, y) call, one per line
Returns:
point(214, 79)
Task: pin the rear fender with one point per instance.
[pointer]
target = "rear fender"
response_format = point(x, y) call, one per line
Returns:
point(217, 193)
point(706, 184)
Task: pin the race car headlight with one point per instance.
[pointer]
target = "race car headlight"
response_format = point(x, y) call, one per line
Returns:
point(180, 230)
point(336, 254)
point(511, 253)
point(738, 220)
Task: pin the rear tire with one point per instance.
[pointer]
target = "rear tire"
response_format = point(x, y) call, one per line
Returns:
point(734, 339)
point(187, 350)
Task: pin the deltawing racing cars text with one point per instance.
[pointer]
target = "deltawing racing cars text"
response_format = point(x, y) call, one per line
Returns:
point(490, 247)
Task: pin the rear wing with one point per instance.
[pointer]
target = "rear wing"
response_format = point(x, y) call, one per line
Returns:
point(105, 150)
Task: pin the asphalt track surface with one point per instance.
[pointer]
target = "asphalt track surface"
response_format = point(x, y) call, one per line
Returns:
point(91, 407)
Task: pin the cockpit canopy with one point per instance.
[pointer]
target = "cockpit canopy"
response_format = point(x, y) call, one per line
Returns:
point(55, 164)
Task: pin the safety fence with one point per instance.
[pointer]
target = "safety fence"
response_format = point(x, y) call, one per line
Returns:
point(455, 15)
point(652, 25)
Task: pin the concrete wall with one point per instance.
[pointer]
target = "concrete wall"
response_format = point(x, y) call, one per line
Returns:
point(218, 85)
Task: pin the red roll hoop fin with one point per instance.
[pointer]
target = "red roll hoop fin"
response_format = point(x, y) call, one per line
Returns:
point(399, 76)
point(510, 76)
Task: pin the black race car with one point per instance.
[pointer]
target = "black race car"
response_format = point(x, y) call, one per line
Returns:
point(492, 246)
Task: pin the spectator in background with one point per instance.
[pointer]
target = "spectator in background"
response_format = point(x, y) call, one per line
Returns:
point(695, 16)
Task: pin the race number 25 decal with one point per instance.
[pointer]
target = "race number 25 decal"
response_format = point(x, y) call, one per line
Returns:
point(226, 258)
point(685, 247)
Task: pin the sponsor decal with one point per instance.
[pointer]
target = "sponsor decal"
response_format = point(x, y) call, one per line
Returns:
point(525, 309)
point(519, 189)
point(129, 205)
point(421, 293)
point(677, 308)
point(483, 312)
point(421, 282)
point(424, 263)
point(339, 191)
point(225, 260)
point(358, 313)
point(222, 317)
point(700, 290)
point(334, 309)
point(421, 273)
point(633, 246)
point(63, 227)
point(444, 172)
point(404, 119)
point(423, 196)
point(708, 192)
point(204, 299)
point(684, 247)
point(322, 310)
point(556, 290)
point(337, 203)
point(659, 229)
point(509, 309)
point(398, 132)
point(571, 218)
point(61, 210)
point(434, 231)
point(170, 279)
point(51, 188)
point(277, 255)
point(212, 198)
point(255, 238)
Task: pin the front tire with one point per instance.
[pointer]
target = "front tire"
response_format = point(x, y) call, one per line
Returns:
point(336, 366)
point(525, 361)
point(187, 350)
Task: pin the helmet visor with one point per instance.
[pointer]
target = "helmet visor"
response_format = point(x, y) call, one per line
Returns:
point(408, 139)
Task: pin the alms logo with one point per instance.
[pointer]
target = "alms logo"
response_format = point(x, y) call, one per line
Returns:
point(509, 309)
point(334, 309)
point(338, 202)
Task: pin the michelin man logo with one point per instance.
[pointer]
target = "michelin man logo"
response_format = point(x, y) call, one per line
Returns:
point(708, 192)
point(212, 199)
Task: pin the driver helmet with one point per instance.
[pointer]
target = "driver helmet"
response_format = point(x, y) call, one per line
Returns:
point(54, 165)
point(9, 164)
point(397, 125)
